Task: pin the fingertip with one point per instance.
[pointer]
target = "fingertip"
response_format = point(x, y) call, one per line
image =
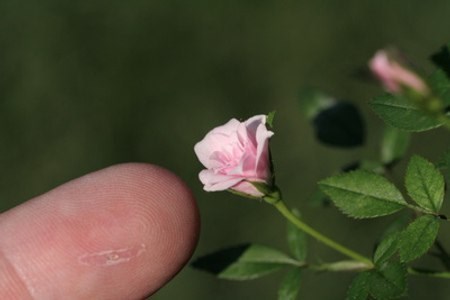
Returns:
point(120, 232)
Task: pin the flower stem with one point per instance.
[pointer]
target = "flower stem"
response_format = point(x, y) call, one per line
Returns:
point(430, 273)
point(320, 237)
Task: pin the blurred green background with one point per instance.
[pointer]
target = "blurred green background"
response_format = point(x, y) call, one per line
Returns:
point(88, 84)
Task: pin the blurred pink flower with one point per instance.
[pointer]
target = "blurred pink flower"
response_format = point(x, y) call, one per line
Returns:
point(394, 76)
point(234, 155)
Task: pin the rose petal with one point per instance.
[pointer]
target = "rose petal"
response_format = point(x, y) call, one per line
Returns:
point(247, 188)
point(393, 75)
point(262, 155)
point(252, 125)
point(214, 141)
point(234, 155)
point(217, 182)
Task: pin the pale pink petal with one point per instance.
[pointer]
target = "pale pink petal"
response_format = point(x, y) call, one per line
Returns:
point(252, 125)
point(234, 155)
point(246, 167)
point(217, 182)
point(247, 188)
point(381, 67)
point(215, 141)
point(409, 79)
point(393, 75)
point(262, 155)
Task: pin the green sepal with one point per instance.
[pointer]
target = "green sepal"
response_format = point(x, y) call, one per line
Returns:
point(270, 118)
point(271, 192)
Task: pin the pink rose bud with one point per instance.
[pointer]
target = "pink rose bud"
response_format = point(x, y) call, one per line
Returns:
point(394, 76)
point(234, 155)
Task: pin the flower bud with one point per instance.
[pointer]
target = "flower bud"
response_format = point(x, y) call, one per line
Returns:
point(235, 156)
point(394, 76)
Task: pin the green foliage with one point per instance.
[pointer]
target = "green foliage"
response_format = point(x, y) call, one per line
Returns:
point(418, 237)
point(297, 240)
point(386, 249)
point(388, 282)
point(361, 191)
point(394, 144)
point(359, 289)
point(402, 113)
point(440, 84)
point(248, 270)
point(425, 184)
point(290, 285)
point(244, 262)
point(362, 194)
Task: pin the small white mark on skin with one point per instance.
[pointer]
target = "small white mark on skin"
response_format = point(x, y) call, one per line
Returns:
point(111, 257)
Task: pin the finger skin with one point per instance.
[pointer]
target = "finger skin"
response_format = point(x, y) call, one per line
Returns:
point(118, 233)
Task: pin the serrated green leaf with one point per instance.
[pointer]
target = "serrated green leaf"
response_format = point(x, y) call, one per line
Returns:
point(359, 289)
point(290, 285)
point(394, 145)
point(388, 282)
point(425, 184)
point(243, 262)
point(362, 194)
point(402, 113)
point(418, 237)
point(297, 241)
point(386, 249)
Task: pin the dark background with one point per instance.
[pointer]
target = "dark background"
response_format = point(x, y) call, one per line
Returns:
point(88, 84)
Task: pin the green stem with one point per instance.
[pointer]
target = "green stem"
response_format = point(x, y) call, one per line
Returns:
point(426, 212)
point(318, 236)
point(429, 273)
